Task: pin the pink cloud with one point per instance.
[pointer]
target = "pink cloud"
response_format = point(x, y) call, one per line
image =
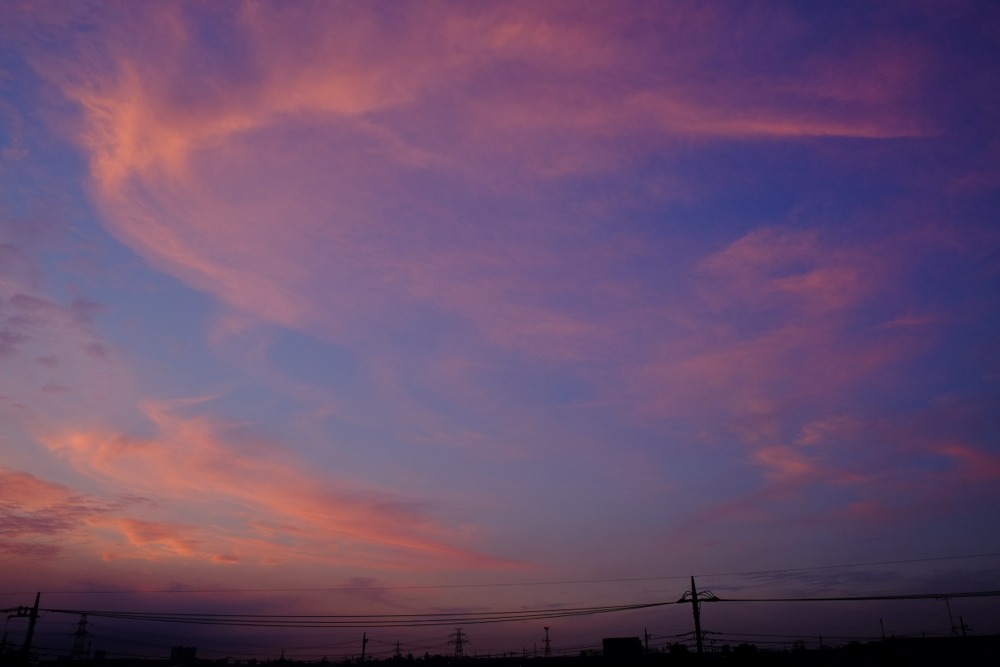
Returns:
point(177, 163)
point(764, 122)
point(879, 469)
point(263, 181)
point(974, 464)
point(225, 186)
point(772, 264)
point(775, 321)
point(175, 539)
point(785, 462)
point(30, 493)
point(41, 518)
point(262, 502)
point(772, 350)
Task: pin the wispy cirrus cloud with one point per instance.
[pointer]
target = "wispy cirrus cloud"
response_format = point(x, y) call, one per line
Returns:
point(50, 346)
point(974, 464)
point(271, 510)
point(40, 518)
point(148, 536)
point(779, 349)
point(659, 247)
point(177, 164)
point(60, 527)
point(772, 319)
point(225, 187)
point(864, 469)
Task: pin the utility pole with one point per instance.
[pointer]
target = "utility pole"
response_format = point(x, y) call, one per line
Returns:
point(696, 609)
point(696, 599)
point(32, 619)
point(548, 647)
point(645, 636)
point(364, 643)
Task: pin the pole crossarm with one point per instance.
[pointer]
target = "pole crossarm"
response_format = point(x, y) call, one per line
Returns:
point(703, 596)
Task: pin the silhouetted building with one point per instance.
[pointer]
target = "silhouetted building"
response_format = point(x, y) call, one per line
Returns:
point(183, 655)
point(622, 647)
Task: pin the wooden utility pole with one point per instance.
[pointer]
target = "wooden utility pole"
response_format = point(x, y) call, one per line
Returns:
point(697, 616)
point(696, 599)
point(32, 619)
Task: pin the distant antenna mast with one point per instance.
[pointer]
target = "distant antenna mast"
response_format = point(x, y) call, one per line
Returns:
point(548, 646)
point(459, 640)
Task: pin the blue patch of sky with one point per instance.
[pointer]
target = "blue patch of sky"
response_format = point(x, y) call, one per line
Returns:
point(420, 329)
point(163, 325)
point(304, 358)
point(535, 385)
point(728, 188)
point(143, 314)
point(764, 182)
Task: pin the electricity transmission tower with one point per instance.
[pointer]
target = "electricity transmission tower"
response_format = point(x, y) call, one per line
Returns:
point(459, 640)
point(80, 640)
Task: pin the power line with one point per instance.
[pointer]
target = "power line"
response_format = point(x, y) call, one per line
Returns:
point(359, 621)
point(302, 621)
point(758, 634)
point(866, 598)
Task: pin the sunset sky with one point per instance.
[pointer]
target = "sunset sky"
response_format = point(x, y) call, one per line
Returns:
point(406, 307)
